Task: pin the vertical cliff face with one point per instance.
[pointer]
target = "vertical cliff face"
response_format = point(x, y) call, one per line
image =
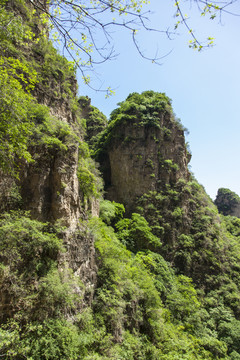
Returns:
point(54, 186)
point(95, 120)
point(144, 160)
point(144, 149)
point(50, 187)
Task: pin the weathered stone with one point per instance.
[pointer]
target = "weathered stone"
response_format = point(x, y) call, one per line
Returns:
point(228, 202)
point(140, 159)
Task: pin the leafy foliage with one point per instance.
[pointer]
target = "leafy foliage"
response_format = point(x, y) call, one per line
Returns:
point(128, 304)
point(148, 106)
point(111, 212)
point(95, 120)
point(50, 131)
point(144, 109)
point(39, 294)
point(17, 79)
point(136, 234)
point(16, 107)
point(26, 245)
point(88, 175)
point(20, 76)
point(168, 280)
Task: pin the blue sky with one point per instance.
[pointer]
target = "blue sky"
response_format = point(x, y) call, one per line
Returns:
point(204, 88)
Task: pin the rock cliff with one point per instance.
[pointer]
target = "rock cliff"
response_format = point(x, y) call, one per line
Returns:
point(50, 186)
point(143, 149)
point(161, 281)
point(228, 202)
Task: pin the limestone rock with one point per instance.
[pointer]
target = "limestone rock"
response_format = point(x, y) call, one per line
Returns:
point(228, 202)
point(140, 157)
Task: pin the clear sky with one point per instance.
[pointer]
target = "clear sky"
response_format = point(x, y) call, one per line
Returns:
point(204, 88)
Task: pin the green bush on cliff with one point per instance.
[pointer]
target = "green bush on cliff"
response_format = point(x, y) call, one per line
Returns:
point(16, 106)
point(95, 121)
point(50, 131)
point(20, 76)
point(56, 74)
point(146, 108)
point(17, 80)
point(26, 245)
point(111, 212)
point(88, 175)
point(136, 234)
point(140, 109)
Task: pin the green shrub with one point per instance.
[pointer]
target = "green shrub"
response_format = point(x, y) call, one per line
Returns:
point(26, 246)
point(51, 339)
point(111, 212)
point(136, 234)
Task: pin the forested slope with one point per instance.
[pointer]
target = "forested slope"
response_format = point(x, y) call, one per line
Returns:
point(109, 248)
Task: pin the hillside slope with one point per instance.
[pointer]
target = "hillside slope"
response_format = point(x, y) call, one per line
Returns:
point(80, 277)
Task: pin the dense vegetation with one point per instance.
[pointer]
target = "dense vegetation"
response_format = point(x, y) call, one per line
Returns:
point(168, 280)
point(144, 109)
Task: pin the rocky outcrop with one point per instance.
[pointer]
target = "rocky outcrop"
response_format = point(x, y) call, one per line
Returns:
point(50, 187)
point(228, 202)
point(96, 121)
point(141, 157)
